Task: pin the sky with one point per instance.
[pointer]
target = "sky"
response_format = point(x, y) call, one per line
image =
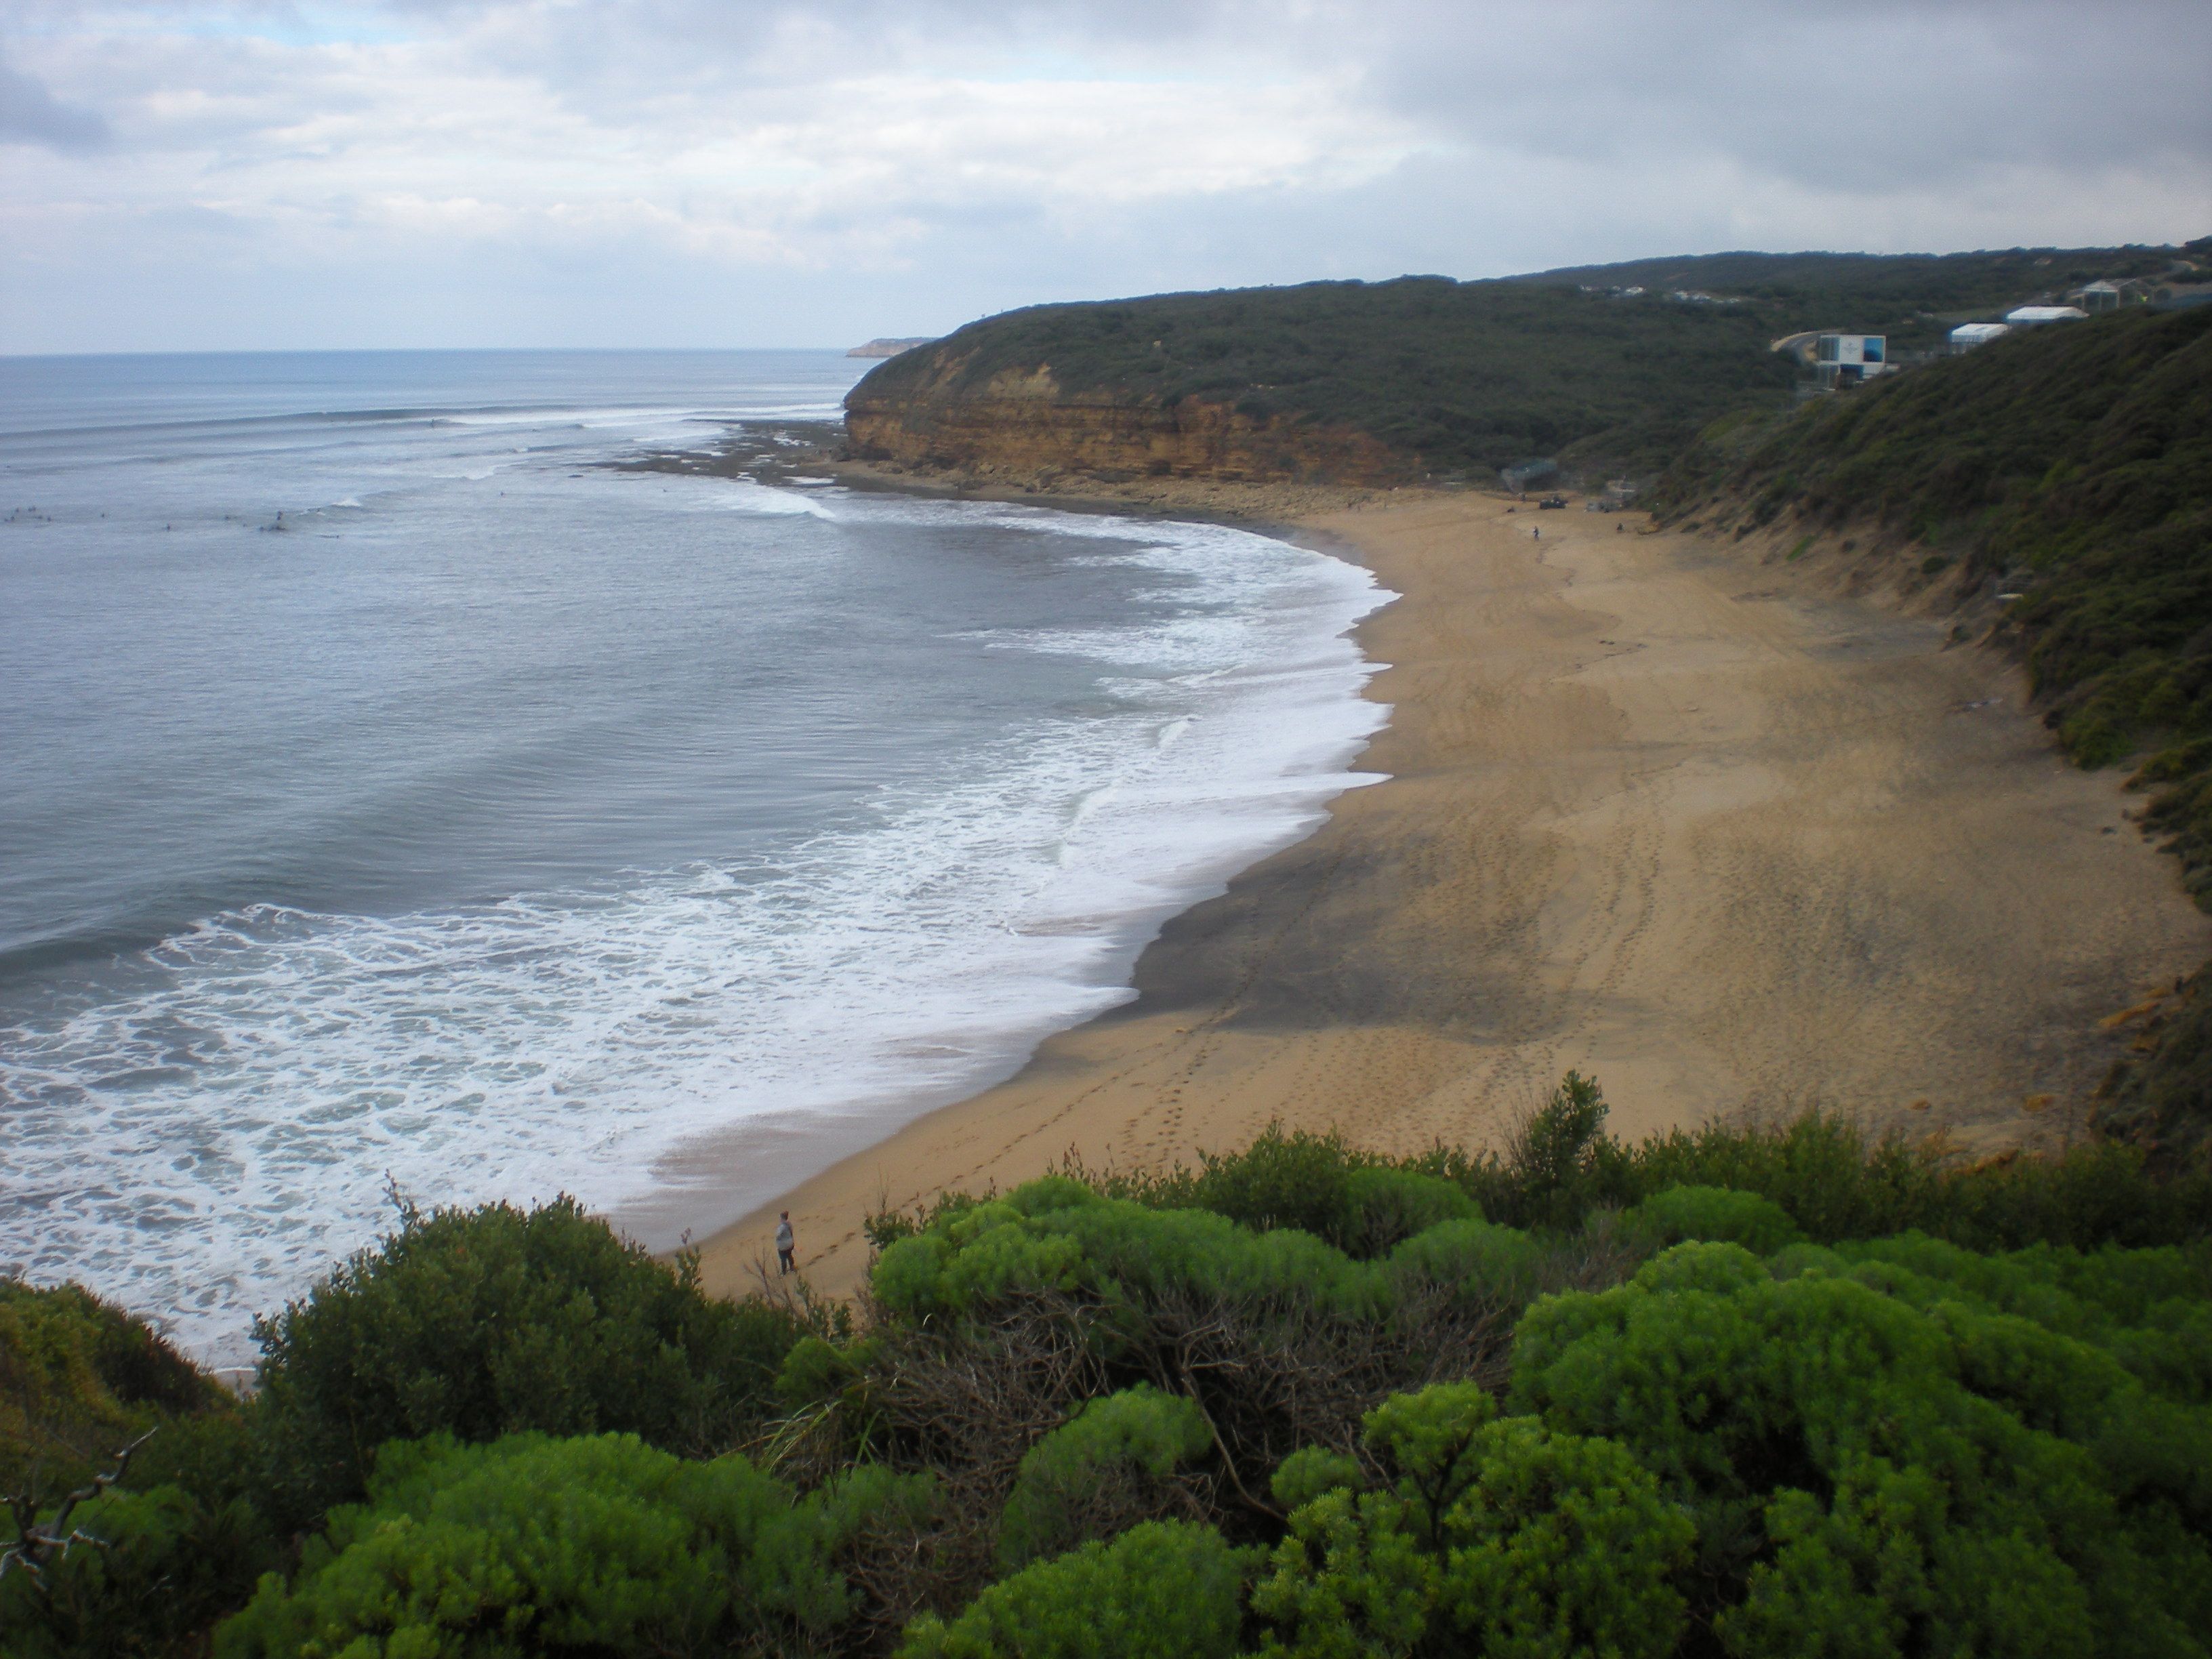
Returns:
point(812, 172)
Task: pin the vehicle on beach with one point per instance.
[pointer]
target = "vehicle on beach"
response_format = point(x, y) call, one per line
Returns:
point(1550, 502)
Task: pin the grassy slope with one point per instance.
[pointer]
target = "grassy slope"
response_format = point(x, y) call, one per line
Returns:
point(1473, 376)
point(2075, 466)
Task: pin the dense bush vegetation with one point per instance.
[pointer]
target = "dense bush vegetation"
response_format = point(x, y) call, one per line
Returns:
point(465, 1325)
point(1472, 377)
point(599, 1544)
point(488, 1322)
point(2072, 466)
point(1826, 1179)
point(1733, 1392)
point(1479, 1535)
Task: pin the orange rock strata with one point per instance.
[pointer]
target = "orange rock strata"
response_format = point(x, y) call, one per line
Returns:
point(1025, 427)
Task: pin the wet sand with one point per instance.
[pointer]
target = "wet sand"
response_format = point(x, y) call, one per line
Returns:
point(1658, 811)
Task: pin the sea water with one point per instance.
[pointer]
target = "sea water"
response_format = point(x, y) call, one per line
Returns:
point(393, 792)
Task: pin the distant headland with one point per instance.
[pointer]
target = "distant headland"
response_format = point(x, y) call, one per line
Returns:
point(890, 347)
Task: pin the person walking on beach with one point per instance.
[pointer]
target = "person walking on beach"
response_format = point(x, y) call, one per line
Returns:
point(787, 1247)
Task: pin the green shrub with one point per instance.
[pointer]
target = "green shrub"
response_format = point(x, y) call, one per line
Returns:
point(1559, 1163)
point(1713, 1213)
point(1499, 1538)
point(1836, 1183)
point(168, 1565)
point(483, 1322)
point(1876, 1464)
point(1294, 1180)
point(815, 1370)
point(1056, 1234)
point(1502, 1264)
point(601, 1546)
point(1165, 1589)
point(1384, 1207)
point(1831, 1178)
point(1102, 1470)
point(1309, 1473)
point(1359, 1201)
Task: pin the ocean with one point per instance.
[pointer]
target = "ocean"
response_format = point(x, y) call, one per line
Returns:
point(396, 791)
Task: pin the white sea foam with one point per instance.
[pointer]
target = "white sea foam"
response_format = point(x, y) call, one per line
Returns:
point(750, 496)
point(205, 1145)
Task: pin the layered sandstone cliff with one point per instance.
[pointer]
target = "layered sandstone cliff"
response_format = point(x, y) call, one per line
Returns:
point(1022, 424)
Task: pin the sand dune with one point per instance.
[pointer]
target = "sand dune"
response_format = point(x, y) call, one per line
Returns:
point(1658, 813)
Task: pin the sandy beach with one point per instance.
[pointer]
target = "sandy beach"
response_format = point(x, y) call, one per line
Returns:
point(1658, 809)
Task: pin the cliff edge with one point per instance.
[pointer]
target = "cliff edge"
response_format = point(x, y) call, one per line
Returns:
point(1025, 424)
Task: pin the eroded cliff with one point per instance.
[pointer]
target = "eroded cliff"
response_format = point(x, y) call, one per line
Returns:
point(1024, 424)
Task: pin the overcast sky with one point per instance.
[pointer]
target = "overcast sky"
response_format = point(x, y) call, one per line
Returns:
point(443, 173)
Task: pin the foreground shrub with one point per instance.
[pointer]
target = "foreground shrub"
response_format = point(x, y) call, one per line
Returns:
point(600, 1546)
point(1112, 1465)
point(483, 1322)
point(168, 1566)
point(1165, 1589)
point(1879, 1464)
point(1384, 1207)
point(1715, 1214)
point(1494, 1537)
point(1282, 1339)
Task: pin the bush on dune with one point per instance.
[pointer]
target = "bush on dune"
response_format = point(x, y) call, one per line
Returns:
point(1831, 1180)
point(1715, 1214)
point(1164, 1589)
point(600, 1545)
point(1483, 1535)
point(1842, 1432)
point(1116, 1462)
point(1282, 1338)
point(485, 1323)
point(1880, 1461)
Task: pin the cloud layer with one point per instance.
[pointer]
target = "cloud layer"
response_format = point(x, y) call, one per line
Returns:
point(701, 172)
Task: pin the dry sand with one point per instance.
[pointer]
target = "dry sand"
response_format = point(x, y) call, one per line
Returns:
point(1658, 811)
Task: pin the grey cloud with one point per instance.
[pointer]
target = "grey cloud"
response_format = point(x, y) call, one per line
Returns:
point(1851, 93)
point(29, 114)
point(357, 185)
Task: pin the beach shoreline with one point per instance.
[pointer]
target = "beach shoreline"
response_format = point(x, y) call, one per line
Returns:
point(1654, 809)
